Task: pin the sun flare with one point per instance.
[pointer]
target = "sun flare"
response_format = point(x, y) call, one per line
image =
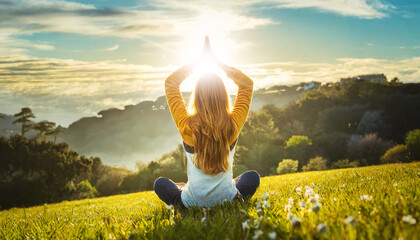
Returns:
point(207, 67)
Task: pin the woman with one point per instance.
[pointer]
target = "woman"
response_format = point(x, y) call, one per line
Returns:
point(209, 132)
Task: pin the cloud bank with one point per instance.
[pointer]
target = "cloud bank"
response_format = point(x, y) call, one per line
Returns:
point(64, 90)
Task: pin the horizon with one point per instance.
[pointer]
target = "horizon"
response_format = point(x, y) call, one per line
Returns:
point(71, 59)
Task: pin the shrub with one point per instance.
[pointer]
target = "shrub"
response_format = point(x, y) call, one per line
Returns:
point(412, 141)
point(300, 148)
point(287, 166)
point(369, 147)
point(315, 164)
point(344, 163)
point(84, 190)
point(396, 154)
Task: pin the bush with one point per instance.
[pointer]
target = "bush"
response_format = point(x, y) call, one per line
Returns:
point(344, 163)
point(83, 190)
point(396, 154)
point(287, 166)
point(300, 148)
point(315, 164)
point(412, 141)
point(369, 147)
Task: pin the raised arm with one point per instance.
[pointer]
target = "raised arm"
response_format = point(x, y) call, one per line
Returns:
point(175, 102)
point(243, 99)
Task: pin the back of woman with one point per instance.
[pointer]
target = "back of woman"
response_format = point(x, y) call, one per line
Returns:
point(209, 130)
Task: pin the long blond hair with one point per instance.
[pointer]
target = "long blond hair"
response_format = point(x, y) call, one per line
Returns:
point(211, 124)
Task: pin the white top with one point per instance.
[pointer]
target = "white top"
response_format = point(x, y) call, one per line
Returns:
point(207, 190)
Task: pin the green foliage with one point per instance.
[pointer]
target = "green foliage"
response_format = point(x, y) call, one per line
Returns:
point(343, 119)
point(259, 145)
point(299, 148)
point(362, 203)
point(368, 148)
point(344, 163)
point(396, 154)
point(287, 166)
point(37, 172)
point(297, 140)
point(82, 190)
point(332, 145)
point(412, 142)
point(315, 164)
point(171, 165)
point(23, 117)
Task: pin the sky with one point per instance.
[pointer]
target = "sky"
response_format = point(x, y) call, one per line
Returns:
point(72, 59)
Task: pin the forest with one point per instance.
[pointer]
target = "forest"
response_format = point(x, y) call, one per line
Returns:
point(336, 125)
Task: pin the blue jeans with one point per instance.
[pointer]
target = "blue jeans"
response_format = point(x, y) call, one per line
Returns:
point(168, 192)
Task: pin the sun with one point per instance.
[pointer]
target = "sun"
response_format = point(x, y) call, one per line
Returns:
point(207, 67)
point(218, 26)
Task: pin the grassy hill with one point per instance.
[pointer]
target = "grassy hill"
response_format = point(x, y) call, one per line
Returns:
point(378, 202)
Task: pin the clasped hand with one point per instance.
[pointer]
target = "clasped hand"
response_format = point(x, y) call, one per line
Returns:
point(207, 53)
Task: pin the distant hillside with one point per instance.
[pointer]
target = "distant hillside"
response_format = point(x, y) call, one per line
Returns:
point(145, 131)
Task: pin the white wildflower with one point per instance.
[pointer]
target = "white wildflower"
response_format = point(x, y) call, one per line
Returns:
point(257, 234)
point(265, 196)
point(365, 197)
point(296, 222)
point(349, 220)
point(321, 228)
point(289, 215)
point(245, 225)
point(302, 204)
point(409, 219)
point(290, 201)
point(395, 184)
point(272, 235)
point(309, 191)
point(266, 204)
point(299, 190)
point(169, 207)
point(335, 199)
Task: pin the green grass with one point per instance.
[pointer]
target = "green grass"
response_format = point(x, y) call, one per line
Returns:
point(392, 192)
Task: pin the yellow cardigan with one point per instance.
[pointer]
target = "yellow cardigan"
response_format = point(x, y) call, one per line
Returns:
point(179, 112)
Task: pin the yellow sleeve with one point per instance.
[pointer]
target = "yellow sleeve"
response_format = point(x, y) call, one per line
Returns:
point(176, 104)
point(243, 99)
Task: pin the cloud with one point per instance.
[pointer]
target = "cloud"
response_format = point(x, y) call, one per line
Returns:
point(268, 74)
point(368, 9)
point(113, 48)
point(169, 19)
point(64, 90)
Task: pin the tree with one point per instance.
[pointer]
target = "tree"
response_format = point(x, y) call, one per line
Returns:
point(300, 148)
point(412, 141)
point(315, 164)
point(287, 166)
point(57, 131)
point(368, 148)
point(396, 154)
point(44, 128)
point(23, 119)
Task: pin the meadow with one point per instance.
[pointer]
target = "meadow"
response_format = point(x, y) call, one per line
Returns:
point(376, 202)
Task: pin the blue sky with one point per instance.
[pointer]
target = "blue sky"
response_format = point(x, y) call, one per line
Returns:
point(68, 59)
